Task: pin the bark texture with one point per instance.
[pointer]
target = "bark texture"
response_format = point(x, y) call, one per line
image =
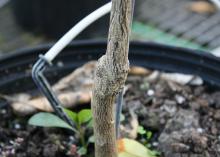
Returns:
point(110, 76)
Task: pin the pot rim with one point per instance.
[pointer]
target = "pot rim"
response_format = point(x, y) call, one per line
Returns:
point(148, 54)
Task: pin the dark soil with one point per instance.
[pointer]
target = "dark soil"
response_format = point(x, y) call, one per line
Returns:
point(185, 121)
point(17, 139)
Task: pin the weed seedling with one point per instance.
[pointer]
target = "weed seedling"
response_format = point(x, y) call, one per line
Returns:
point(146, 137)
point(82, 121)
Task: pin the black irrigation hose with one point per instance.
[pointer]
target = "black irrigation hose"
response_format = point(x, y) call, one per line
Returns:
point(119, 105)
point(44, 86)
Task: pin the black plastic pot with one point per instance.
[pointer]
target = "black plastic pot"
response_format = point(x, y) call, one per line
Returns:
point(55, 17)
point(15, 68)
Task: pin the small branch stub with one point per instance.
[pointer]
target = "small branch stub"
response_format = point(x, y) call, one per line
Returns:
point(110, 76)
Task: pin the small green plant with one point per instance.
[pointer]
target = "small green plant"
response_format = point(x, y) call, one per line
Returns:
point(82, 120)
point(147, 135)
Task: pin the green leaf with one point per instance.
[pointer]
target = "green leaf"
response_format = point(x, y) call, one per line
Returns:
point(91, 139)
point(122, 118)
point(149, 135)
point(82, 151)
point(144, 86)
point(148, 145)
point(155, 153)
point(71, 114)
point(44, 119)
point(84, 116)
point(141, 130)
point(90, 124)
point(132, 148)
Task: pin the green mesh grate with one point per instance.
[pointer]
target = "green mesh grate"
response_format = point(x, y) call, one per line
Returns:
point(149, 32)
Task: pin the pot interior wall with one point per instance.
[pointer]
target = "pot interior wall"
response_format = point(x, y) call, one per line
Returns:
point(15, 68)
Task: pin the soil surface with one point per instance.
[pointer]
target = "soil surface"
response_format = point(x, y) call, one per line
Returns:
point(184, 120)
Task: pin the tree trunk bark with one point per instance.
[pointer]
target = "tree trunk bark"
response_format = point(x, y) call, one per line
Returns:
point(110, 76)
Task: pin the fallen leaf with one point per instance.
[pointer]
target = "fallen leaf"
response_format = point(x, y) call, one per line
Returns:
point(182, 79)
point(80, 79)
point(69, 100)
point(202, 7)
point(140, 71)
point(132, 148)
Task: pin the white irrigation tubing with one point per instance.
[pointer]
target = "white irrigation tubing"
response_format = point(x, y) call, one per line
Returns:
point(216, 52)
point(77, 29)
point(84, 23)
point(3, 3)
point(216, 2)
